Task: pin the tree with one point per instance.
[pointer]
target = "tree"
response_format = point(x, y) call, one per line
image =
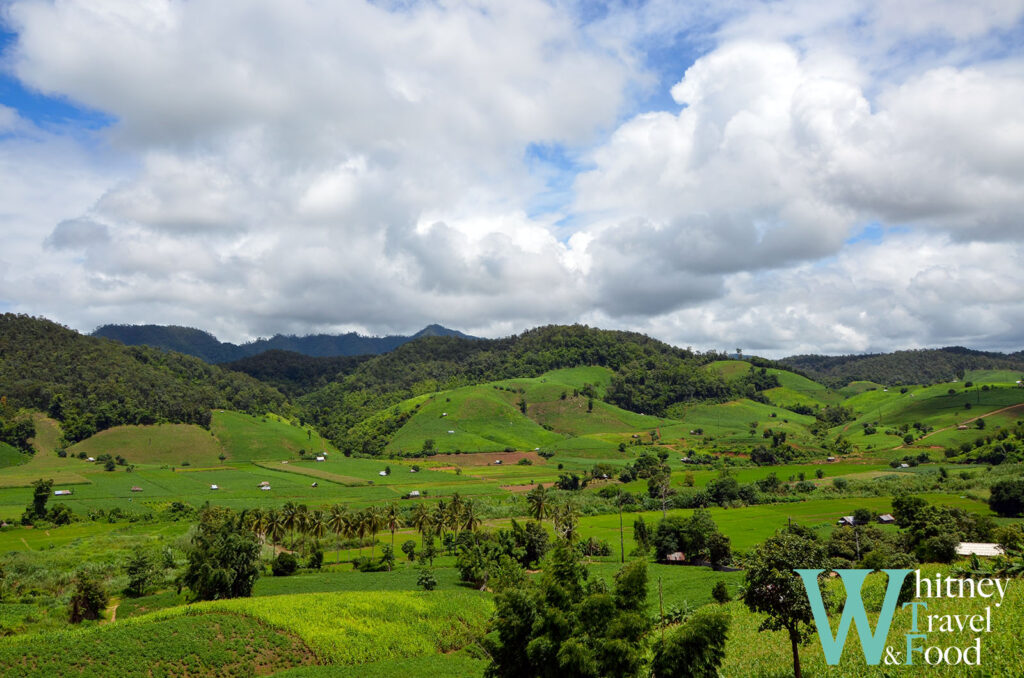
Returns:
point(409, 549)
point(532, 538)
point(1007, 497)
point(774, 589)
point(40, 495)
point(426, 579)
point(284, 565)
point(88, 599)
point(141, 571)
point(223, 558)
point(393, 521)
point(539, 500)
point(695, 649)
point(720, 592)
point(641, 535)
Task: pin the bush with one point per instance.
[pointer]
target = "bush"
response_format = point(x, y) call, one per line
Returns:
point(426, 580)
point(720, 592)
point(525, 462)
point(284, 565)
point(88, 599)
point(696, 648)
point(1007, 498)
point(316, 559)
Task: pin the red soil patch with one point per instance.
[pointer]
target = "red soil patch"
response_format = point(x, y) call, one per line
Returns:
point(524, 488)
point(485, 458)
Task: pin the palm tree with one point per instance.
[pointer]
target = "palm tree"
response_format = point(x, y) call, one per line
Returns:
point(302, 521)
point(470, 520)
point(374, 523)
point(359, 527)
point(566, 519)
point(393, 521)
point(455, 512)
point(316, 525)
point(337, 522)
point(440, 517)
point(289, 515)
point(275, 527)
point(539, 500)
point(421, 518)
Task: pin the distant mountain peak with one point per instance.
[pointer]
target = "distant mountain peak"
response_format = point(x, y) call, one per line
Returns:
point(207, 347)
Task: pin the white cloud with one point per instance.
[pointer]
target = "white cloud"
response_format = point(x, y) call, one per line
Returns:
point(326, 166)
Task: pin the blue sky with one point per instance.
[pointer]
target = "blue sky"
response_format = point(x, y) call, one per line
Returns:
point(841, 175)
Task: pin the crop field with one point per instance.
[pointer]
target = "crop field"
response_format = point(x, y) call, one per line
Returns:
point(162, 444)
point(218, 644)
point(247, 438)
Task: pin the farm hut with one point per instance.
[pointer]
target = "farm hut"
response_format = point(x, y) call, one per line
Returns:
point(382, 473)
point(846, 520)
point(451, 431)
point(91, 459)
point(685, 460)
point(904, 465)
point(886, 519)
point(214, 487)
point(136, 489)
point(969, 548)
point(264, 482)
point(831, 459)
point(264, 487)
point(414, 470)
point(961, 427)
point(315, 484)
point(320, 459)
point(497, 462)
point(677, 558)
point(61, 493)
point(414, 494)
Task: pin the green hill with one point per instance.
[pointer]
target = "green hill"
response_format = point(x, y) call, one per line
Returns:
point(91, 384)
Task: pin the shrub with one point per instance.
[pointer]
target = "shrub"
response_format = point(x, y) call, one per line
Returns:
point(88, 599)
point(720, 592)
point(426, 580)
point(696, 648)
point(284, 565)
point(1007, 498)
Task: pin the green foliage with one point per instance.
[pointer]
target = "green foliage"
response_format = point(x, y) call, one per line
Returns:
point(142, 573)
point(697, 537)
point(720, 592)
point(426, 579)
point(91, 384)
point(223, 557)
point(1007, 498)
point(696, 648)
point(284, 564)
point(88, 599)
point(565, 626)
point(774, 589)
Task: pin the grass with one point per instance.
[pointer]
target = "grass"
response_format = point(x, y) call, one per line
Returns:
point(10, 456)
point(218, 644)
point(248, 438)
point(436, 666)
point(161, 444)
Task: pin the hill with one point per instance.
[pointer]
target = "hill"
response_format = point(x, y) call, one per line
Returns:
point(923, 366)
point(204, 345)
point(90, 384)
point(295, 374)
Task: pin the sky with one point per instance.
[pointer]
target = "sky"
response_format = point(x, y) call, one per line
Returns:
point(781, 177)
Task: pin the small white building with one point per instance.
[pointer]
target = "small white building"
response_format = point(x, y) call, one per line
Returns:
point(214, 487)
point(91, 459)
point(414, 493)
point(904, 465)
point(846, 520)
point(451, 431)
point(497, 462)
point(320, 459)
point(61, 493)
point(383, 473)
point(970, 548)
point(886, 519)
point(264, 487)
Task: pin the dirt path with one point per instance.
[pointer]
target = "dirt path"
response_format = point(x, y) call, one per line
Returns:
point(112, 612)
point(26, 544)
point(962, 423)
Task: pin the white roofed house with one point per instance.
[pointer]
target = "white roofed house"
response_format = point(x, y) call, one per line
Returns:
point(969, 548)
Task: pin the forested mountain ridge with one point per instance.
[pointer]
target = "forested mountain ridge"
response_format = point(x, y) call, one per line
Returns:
point(920, 366)
point(204, 345)
point(91, 383)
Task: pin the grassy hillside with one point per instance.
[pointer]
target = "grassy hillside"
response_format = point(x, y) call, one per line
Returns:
point(10, 456)
point(171, 444)
point(245, 437)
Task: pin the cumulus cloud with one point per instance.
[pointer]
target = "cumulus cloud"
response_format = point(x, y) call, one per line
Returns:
point(324, 166)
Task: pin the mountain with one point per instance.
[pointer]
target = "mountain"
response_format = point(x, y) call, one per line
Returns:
point(921, 366)
point(90, 383)
point(204, 345)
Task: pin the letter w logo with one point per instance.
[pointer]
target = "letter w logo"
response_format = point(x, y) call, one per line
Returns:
point(853, 611)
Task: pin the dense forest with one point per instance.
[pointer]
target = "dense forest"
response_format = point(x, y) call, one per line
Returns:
point(295, 374)
point(91, 384)
point(204, 345)
point(923, 366)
